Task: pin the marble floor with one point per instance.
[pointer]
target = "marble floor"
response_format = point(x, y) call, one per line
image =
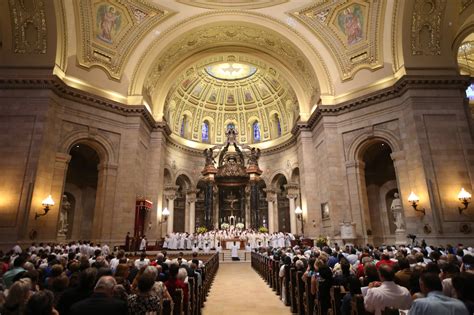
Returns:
point(238, 289)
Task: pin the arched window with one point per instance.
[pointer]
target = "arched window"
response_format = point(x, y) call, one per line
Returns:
point(205, 132)
point(182, 132)
point(278, 127)
point(256, 132)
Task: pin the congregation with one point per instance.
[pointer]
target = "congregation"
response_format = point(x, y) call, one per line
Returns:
point(367, 280)
point(82, 277)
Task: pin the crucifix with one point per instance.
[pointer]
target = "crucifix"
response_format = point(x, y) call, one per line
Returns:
point(231, 199)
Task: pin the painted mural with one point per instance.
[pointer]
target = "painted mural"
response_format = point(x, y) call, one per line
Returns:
point(350, 22)
point(108, 22)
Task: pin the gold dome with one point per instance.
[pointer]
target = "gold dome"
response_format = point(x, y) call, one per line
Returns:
point(231, 89)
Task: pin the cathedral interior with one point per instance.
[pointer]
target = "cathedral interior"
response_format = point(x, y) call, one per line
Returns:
point(331, 107)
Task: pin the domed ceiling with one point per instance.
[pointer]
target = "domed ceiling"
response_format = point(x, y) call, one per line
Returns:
point(231, 89)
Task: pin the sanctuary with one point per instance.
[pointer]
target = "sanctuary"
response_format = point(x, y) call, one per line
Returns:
point(347, 119)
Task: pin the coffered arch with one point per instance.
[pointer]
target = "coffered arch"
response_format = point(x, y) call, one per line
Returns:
point(243, 30)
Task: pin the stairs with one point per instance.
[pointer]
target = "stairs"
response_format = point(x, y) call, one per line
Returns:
point(226, 257)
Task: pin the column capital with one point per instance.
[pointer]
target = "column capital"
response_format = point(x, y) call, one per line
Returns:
point(271, 194)
point(63, 157)
point(170, 191)
point(191, 195)
point(292, 190)
point(355, 164)
point(397, 155)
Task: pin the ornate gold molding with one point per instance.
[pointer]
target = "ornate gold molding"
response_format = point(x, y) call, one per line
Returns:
point(235, 4)
point(109, 30)
point(351, 30)
point(27, 18)
point(427, 17)
point(135, 87)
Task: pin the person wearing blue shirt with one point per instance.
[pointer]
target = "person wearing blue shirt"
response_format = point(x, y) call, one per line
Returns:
point(435, 302)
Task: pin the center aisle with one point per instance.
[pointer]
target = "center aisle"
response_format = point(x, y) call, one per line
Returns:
point(238, 289)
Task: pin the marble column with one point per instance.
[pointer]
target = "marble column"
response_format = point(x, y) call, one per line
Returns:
point(191, 200)
point(292, 194)
point(271, 198)
point(170, 195)
point(358, 200)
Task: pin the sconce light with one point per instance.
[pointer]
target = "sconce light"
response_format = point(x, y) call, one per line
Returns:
point(164, 214)
point(299, 216)
point(48, 202)
point(465, 199)
point(414, 199)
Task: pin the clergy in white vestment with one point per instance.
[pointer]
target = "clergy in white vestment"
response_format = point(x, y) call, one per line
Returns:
point(143, 243)
point(218, 247)
point(195, 248)
point(235, 252)
point(207, 248)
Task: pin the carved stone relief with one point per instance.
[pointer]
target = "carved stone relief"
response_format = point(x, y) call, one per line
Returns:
point(426, 27)
point(109, 30)
point(352, 31)
point(29, 26)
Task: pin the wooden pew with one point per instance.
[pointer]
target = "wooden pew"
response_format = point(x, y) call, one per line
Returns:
point(293, 306)
point(178, 302)
point(286, 281)
point(300, 290)
point(308, 297)
point(337, 293)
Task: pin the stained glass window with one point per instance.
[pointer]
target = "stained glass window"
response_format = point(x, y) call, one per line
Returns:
point(256, 132)
point(278, 127)
point(183, 127)
point(205, 131)
point(470, 92)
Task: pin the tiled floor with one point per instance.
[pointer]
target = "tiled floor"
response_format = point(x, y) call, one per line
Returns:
point(238, 289)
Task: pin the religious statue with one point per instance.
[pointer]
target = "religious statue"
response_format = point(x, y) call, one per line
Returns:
point(63, 225)
point(397, 208)
point(208, 153)
point(231, 134)
point(254, 156)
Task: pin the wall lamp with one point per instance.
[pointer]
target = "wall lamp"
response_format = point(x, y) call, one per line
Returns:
point(465, 199)
point(164, 215)
point(299, 216)
point(48, 202)
point(414, 199)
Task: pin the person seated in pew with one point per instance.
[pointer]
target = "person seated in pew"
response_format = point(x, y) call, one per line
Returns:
point(386, 293)
point(435, 301)
point(143, 301)
point(353, 285)
point(174, 283)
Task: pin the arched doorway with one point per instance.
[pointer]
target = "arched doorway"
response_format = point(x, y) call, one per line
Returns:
point(380, 185)
point(262, 204)
point(179, 221)
point(283, 204)
point(80, 190)
point(200, 204)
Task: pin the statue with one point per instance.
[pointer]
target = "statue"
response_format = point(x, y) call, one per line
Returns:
point(231, 134)
point(397, 208)
point(65, 206)
point(254, 156)
point(208, 153)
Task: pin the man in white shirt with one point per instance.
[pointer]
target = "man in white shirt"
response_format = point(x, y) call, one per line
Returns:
point(386, 294)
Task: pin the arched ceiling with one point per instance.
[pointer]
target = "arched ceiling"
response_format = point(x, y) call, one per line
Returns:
point(231, 88)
